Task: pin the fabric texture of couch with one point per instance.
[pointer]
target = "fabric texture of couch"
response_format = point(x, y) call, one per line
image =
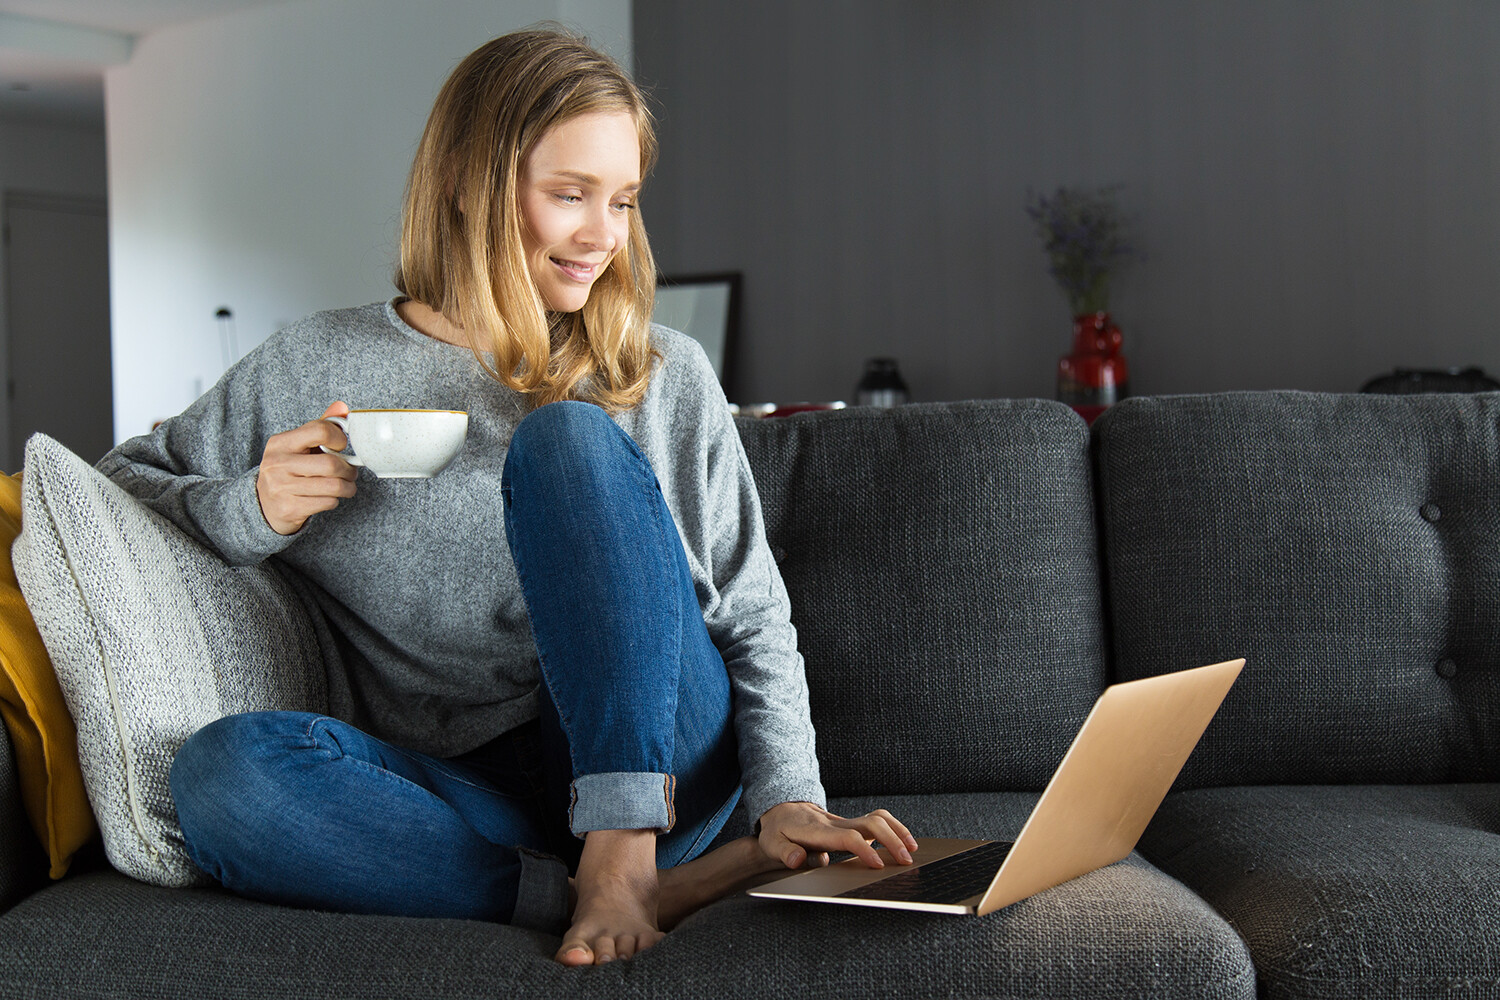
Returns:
point(1341, 810)
point(965, 579)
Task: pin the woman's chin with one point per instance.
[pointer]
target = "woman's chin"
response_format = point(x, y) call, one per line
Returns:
point(570, 302)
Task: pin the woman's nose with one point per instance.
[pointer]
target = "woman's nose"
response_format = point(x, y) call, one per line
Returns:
point(599, 231)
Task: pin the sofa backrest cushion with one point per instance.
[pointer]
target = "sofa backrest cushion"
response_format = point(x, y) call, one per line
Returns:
point(942, 566)
point(1348, 546)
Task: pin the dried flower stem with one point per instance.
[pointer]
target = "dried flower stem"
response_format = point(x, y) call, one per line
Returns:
point(1083, 234)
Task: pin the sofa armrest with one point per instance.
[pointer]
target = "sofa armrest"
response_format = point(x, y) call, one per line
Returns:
point(21, 861)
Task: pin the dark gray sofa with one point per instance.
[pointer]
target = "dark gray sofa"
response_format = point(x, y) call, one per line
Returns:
point(965, 580)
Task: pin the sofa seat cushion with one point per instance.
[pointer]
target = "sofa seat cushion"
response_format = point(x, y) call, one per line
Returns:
point(1125, 931)
point(1347, 892)
point(944, 579)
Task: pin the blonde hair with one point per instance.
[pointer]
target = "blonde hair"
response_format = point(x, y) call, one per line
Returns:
point(469, 263)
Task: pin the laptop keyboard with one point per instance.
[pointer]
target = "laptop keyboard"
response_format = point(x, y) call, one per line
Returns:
point(950, 880)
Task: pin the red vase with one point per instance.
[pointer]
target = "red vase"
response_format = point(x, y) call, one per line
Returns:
point(1095, 376)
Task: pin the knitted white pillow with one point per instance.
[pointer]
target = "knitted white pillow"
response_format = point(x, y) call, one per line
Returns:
point(152, 637)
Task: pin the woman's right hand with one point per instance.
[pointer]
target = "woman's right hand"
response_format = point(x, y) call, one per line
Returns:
point(298, 479)
point(789, 831)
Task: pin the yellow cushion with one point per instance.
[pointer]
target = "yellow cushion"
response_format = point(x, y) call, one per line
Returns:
point(40, 726)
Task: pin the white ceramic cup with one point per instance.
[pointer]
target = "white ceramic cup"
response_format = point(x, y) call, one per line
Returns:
point(402, 444)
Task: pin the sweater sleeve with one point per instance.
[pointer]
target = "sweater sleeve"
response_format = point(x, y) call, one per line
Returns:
point(744, 600)
point(199, 468)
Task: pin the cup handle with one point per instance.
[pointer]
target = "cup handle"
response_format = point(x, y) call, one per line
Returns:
point(342, 424)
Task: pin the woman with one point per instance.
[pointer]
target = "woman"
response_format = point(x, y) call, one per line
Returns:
point(592, 693)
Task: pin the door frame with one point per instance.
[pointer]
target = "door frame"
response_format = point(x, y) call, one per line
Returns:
point(37, 200)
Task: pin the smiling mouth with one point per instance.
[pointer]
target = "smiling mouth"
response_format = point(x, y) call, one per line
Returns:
point(575, 269)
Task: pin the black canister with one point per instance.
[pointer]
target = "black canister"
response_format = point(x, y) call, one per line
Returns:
point(881, 385)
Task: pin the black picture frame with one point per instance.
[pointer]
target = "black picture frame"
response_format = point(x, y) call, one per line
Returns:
point(706, 307)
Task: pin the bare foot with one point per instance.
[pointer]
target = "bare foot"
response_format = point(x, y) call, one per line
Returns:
point(610, 916)
point(689, 887)
point(617, 889)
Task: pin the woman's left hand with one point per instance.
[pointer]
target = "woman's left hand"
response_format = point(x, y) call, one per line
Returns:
point(793, 830)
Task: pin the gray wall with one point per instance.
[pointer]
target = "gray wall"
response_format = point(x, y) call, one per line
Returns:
point(1316, 184)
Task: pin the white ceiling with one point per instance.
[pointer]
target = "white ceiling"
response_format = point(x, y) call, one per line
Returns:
point(53, 53)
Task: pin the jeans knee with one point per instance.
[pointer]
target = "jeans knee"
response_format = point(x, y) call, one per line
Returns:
point(567, 442)
point(546, 428)
point(220, 777)
point(569, 414)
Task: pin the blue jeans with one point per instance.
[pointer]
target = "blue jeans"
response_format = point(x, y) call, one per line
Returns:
point(635, 729)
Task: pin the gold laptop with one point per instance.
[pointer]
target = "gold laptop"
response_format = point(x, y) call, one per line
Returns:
point(1108, 786)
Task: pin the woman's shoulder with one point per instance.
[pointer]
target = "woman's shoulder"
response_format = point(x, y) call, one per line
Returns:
point(684, 401)
point(335, 323)
point(682, 359)
point(329, 333)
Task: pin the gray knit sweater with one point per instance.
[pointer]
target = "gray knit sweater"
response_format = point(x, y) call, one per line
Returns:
point(415, 576)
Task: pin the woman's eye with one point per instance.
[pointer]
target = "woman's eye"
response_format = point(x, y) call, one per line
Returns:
point(570, 199)
point(625, 206)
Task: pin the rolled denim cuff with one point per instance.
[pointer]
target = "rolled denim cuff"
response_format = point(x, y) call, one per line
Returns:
point(541, 894)
point(622, 800)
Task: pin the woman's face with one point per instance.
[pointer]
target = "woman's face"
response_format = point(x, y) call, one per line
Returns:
point(578, 188)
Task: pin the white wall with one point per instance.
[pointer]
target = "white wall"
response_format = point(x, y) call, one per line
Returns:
point(44, 159)
point(257, 162)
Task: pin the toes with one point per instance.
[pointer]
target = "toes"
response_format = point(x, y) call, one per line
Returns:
point(630, 946)
point(575, 953)
point(607, 949)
